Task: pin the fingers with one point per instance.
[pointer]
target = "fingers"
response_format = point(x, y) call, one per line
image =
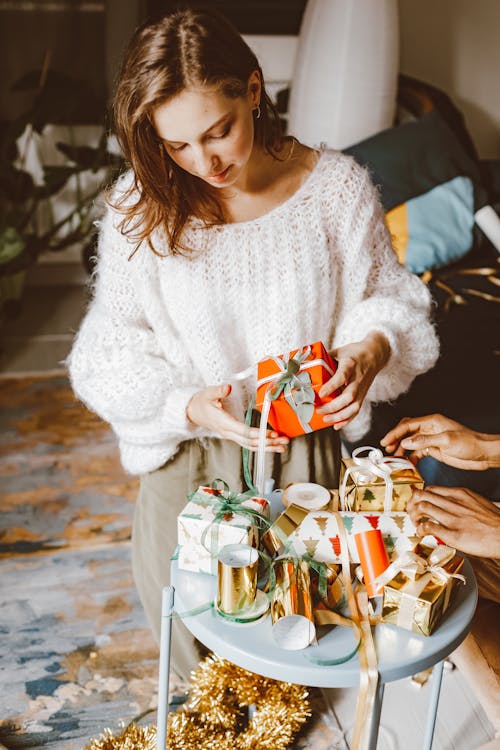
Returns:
point(450, 537)
point(346, 373)
point(340, 418)
point(423, 443)
point(344, 408)
point(215, 392)
point(442, 505)
point(335, 383)
point(431, 424)
point(248, 437)
point(426, 510)
point(465, 502)
point(406, 426)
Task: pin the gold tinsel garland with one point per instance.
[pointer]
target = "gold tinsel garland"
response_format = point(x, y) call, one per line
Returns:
point(215, 717)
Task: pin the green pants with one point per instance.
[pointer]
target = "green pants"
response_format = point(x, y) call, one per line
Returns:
point(163, 495)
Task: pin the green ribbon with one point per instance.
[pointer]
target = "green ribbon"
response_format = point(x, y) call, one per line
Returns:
point(341, 659)
point(296, 387)
point(297, 391)
point(223, 504)
point(246, 452)
point(320, 568)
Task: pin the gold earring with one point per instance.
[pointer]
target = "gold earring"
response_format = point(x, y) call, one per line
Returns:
point(257, 116)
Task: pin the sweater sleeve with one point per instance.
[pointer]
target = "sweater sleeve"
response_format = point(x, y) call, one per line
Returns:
point(379, 294)
point(118, 369)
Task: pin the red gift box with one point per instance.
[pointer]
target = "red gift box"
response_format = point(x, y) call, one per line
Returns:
point(291, 385)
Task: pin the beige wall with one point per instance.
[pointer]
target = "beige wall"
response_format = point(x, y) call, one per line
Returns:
point(455, 45)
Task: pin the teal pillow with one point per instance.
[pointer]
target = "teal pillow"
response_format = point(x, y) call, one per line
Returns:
point(430, 188)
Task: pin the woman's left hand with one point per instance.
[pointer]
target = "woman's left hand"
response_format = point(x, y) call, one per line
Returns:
point(358, 364)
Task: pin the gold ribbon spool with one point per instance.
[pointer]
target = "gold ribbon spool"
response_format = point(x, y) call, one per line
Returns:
point(236, 578)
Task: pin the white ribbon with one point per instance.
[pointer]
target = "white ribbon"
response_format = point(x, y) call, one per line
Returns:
point(366, 468)
point(419, 571)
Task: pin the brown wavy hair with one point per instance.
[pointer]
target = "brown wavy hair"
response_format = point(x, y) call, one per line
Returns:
point(187, 48)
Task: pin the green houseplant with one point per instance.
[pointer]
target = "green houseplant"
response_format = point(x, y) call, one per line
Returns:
point(28, 223)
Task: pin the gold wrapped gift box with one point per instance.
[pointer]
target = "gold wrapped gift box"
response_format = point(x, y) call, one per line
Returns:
point(419, 604)
point(362, 495)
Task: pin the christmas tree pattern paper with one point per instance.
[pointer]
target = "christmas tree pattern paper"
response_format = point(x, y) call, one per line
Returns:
point(318, 534)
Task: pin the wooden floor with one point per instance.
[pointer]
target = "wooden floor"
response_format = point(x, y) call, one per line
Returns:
point(39, 340)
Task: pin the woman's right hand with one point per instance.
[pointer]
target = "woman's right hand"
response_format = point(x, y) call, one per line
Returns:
point(445, 440)
point(206, 409)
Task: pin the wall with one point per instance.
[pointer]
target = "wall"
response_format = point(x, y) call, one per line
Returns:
point(455, 45)
point(451, 44)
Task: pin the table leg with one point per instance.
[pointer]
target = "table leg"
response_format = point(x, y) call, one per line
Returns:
point(437, 675)
point(167, 605)
point(375, 720)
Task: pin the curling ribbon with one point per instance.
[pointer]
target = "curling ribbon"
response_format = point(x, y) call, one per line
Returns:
point(328, 617)
point(366, 468)
point(368, 670)
point(224, 502)
point(416, 568)
point(420, 571)
point(290, 377)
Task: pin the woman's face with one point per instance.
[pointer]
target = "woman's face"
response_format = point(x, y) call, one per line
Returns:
point(208, 134)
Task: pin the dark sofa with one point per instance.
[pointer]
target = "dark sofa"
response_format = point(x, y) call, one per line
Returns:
point(465, 383)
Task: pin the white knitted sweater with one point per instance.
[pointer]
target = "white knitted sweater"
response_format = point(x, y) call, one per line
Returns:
point(318, 267)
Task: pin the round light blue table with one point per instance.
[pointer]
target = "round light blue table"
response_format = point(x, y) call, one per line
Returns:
point(400, 653)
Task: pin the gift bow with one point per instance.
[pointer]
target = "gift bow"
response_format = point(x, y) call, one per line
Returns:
point(297, 391)
point(225, 502)
point(419, 570)
point(366, 468)
point(295, 385)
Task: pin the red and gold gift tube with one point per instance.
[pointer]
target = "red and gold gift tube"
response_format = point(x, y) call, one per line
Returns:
point(291, 605)
point(372, 556)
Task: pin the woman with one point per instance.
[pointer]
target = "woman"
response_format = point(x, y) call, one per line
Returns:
point(223, 244)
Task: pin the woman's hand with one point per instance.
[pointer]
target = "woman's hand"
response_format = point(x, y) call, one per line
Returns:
point(459, 517)
point(444, 440)
point(206, 409)
point(358, 364)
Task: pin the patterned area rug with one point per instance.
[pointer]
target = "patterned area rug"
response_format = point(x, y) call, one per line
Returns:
point(76, 652)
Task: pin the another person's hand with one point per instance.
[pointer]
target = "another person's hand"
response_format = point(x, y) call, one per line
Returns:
point(358, 364)
point(444, 440)
point(206, 409)
point(459, 517)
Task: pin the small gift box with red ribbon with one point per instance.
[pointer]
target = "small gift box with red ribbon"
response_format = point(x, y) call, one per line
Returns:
point(418, 587)
point(287, 389)
point(214, 517)
point(370, 481)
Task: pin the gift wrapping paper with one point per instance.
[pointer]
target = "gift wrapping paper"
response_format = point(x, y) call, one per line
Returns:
point(422, 613)
point(294, 412)
point(201, 537)
point(318, 534)
point(362, 495)
point(275, 538)
point(196, 559)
